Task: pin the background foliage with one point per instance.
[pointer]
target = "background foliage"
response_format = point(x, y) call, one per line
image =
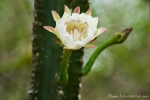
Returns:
point(121, 69)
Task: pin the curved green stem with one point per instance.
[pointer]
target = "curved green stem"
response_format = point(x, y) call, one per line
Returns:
point(89, 64)
point(119, 37)
point(63, 75)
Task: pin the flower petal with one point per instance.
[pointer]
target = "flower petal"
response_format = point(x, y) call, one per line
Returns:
point(77, 10)
point(89, 37)
point(78, 45)
point(61, 31)
point(64, 17)
point(58, 41)
point(88, 12)
point(74, 16)
point(100, 30)
point(93, 39)
point(68, 42)
point(83, 17)
point(94, 22)
point(67, 10)
point(89, 46)
point(51, 29)
point(55, 15)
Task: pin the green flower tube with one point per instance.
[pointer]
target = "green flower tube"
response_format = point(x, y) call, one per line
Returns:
point(63, 75)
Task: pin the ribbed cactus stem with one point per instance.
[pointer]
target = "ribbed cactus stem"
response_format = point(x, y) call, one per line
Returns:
point(46, 54)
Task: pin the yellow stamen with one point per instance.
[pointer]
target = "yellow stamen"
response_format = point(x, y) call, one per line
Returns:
point(77, 29)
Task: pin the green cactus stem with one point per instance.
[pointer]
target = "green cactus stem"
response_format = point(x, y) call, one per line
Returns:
point(118, 38)
point(46, 54)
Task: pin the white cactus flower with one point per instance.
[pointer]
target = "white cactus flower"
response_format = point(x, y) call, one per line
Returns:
point(75, 30)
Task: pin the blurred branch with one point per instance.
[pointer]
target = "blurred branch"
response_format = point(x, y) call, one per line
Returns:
point(147, 2)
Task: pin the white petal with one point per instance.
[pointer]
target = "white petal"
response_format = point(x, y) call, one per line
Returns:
point(94, 22)
point(61, 31)
point(68, 41)
point(83, 17)
point(67, 10)
point(100, 30)
point(65, 17)
point(78, 45)
point(89, 37)
point(75, 16)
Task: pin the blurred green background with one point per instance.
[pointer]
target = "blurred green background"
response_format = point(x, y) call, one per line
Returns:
point(121, 69)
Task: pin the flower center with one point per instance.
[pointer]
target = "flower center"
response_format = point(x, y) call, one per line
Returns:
point(77, 29)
